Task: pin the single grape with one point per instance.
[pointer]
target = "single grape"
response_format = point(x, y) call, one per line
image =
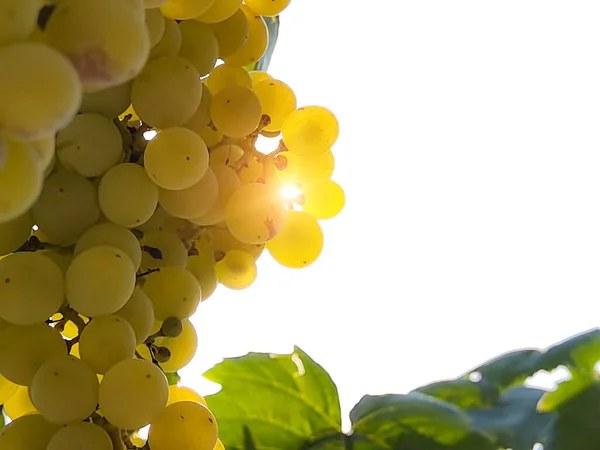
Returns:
point(203, 267)
point(170, 43)
point(14, 233)
point(201, 118)
point(219, 11)
point(231, 33)
point(194, 201)
point(18, 19)
point(19, 404)
point(306, 170)
point(174, 292)
point(226, 75)
point(172, 327)
point(184, 394)
point(258, 76)
point(185, 9)
point(182, 348)
point(323, 201)
point(139, 312)
point(199, 45)
point(226, 154)
point(235, 111)
point(310, 130)
point(155, 23)
point(110, 102)
point(229, 182)
point(80, 435)
point(222, 241)
point(255, 46)
point(211, 136)
point(31, 432)
point(113, 235)
point(268, 8)
point(237, 270)
point(105, 341)
point(277, 100)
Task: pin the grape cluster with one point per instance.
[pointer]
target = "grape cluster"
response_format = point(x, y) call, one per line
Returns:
point(130, 187)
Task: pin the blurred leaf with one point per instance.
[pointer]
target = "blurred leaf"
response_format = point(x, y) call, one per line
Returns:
point(462, 392)
point(565, 391)
point(173, 378)
point(570, 352)
point(273, 27)
point(509, 369)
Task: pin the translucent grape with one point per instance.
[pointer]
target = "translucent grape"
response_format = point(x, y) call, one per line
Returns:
point(177, 158)
point(228, 182)
point(19, 404)
point(99, 281)
point(110, 102)
point(7, 389)
point(61, 257)
point(222, 241)
point(300, 242)
point(231, 33)
point(114, 47)
point(31, 288)
point(250, 171)
point(133, 393)
point(255, 46)
point(64, 390)
point(155, 23)
point(235, 111)
point(184, 394)
point(219, 445)
point(105, 341)
point(185, 9)
point(199, 45)
point(113, 235)
point(237, 270)
point(194, 201)
point(255, 213)
point(268, 8)
point(90, 145)
point(258, 76)
point(201, 118)
point(184, 425)
point(310, 130)
point(40, 91)
point(127, 196)
point(226, 154)
point(226, 75)
point(18, 19)
point(277, 100)
point(80, 435)
point(174, 292)
point(163, 221)
point(139, 312)
point(211, 136)
point(219, 11)
point(167, 92)
point(203, 267)
point(182, 348)
point(163, 249)
point(306, 170)
point(170, 43)
point(43, 148)
point(21, 358)
point(323, 201)
point(30, 432)
point(14, 233)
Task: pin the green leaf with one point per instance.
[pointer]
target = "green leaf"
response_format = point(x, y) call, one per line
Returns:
point(273, 31)
point(565, 391)
point(509, 369)
point(572, 352)
point(173, 378)
point(462, 392)
point(280, 401)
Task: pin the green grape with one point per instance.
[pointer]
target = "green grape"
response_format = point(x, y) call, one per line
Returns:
point(66, 208)
point(99, 281)
point(323, 201)
point(90, 145)
point(222, 241)
point(105, 341)
point(185, 9)
point(219, 445)
point(194, 201)
point(219, 11)
point(257, 76)
point(250, 170)
point(306, 170)
point(226, 75)
point(277, 100)
point(170, 43)
point(114, 45)
point(133, 393)
point(7, 390)
point(43, 149)
point(21, 358)
point(177, 158)
point(139, 312)
point(203, 267)
point(30, 432)
point(113, 235)
point(184, 394)
point(18, 19)
point(184, 425)
point(201, 118)
point(182, 348)
point(14, 233)
point(174, 292)
point(127, 196)
point(237, 270)
point(163, 221)
point(199, 45)
point(79, 436)
point(171, 251)
point(19, 404)
point(226, 154)
point(268, 8)
point(17, 195)
point(61, 257)
point(211, 137)
point(110, 102)
point(228, 182)
point(235, 111)
point(154, 3)
point(65, 390)
point(255, 213)
point(40, 91)
point(155, 23)
point(300, 242)
point(31, 288)
point(310, 130)
point(255, 46)
point(231, 33)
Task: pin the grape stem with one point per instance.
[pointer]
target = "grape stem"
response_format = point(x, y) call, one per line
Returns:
point(148, 272)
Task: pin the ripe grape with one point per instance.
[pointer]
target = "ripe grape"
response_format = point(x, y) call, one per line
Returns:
point(170, 42)
point(110, 102)
point(201, 118)
point(174, 292)
point(226, 75)
point(14, 233)
point(277, 100)
point(112, 235)
point(229, 182)
point(310, 130)
point(19, 404)
point(182, 348)
point(222, 241)
point(18, 19)
point(226, 154)
point(237, 270)
point(268, 8)
point(163, 249)
point(184, 394)
point(203, 267)
point(219, 11)
point(235, 111)
point(219, 445)
point(232, 33)
point(185, 9)
point(31, 432)
point(139, 312)
point(193, 201)
point(105, 341)
point(323, 201)
point(258, 76)
point(155, 23)
point(80, 435)
point(256, 45)
point(43, 148)
point(199, 45)
point(305, 170)
point(211, 136)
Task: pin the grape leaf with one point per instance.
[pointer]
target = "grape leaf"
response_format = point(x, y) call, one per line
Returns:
point(173, 378)
point(462, 392)
point(565, 391)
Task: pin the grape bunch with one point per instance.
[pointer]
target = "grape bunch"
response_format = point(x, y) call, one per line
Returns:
point(131, 185)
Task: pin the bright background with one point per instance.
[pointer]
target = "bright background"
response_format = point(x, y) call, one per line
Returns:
point(469, 155)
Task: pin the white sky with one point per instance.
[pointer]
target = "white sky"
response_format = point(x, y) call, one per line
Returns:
point(469, 152)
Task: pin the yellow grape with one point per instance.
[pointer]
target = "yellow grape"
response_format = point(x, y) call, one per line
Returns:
point(211, 137)
point(268, 8)
point(133, 393)
point(203, 267)
point(114, 47)
point(31, 432)
point(7, 389)
point(19, 404)
point(167, 92)
point(90, 145)
point(64, 390)
point(171, 250)
point(182, 348)
point(99, 281)
point(80, 435)
point(174, 292)
point(61, 257)
point(306, 170)
point(31, 288)
point(256, 45)
point(231, 33)
point(177, 158)
point(310, 130)
point(300, 242)
point(194, 201)
point(229, 182)
point(226, 154)
point(170, 43)
point(114, 235)
point(222, 241)
point(184, 425)
point(255, 213)
point(185, 9)
point(184, 394)
point(139, 312)
point(201, 118)
point(226, 75)
point(105, 341)
point(14, 233)
point(43, 148)
point(199, 45)
point(110, 102)
point(218, 446)
point(21, 358)
point(67, 207)
point(258, 76)
point(250, 171)
point(163, 221)
point(237, 270)
point(127, 196)
point(155, 23)
point(235, 111)
point(219, 11)
point(154, 3)
point(277, 100)
point(18, 19)
point(323, 201)
point(40, 91)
